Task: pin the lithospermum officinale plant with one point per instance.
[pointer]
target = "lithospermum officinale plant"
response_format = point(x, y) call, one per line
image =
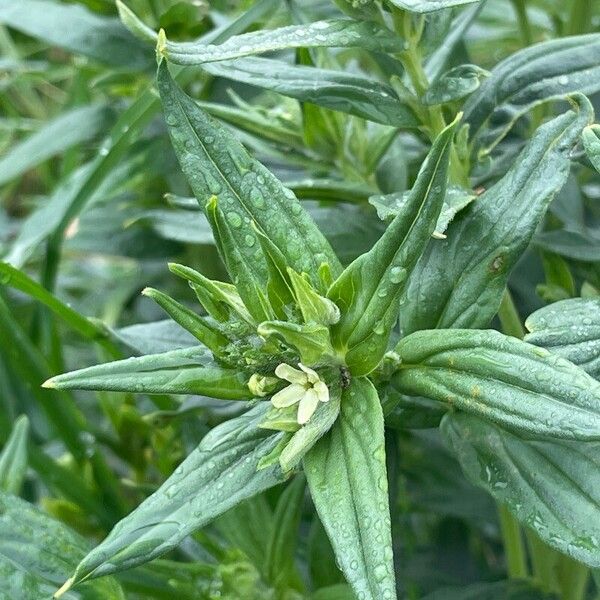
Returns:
point(324, 353)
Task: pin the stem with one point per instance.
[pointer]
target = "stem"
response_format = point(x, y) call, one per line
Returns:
point(509, 317)
point(514, 548)
point(573, 578)
point(580, 18)
point(543, 561)
point(523, 19)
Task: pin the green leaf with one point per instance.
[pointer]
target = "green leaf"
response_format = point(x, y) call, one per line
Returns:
point(571, 329)
point(455, 84)
point(70, 128)
point(345, 92)
point(279, 560)
point(579, 243)
point(314, 307)
point(186, 371)
point(367, 291)
point(346, 475)
point(216, 476)
point(218, 298)
point(455, 199)
point(312, 341)
point(78, 30)
point(459, 282)
point(217, 165)
point(544, 71)
point(550, 486)
point(515, 384)
point(199, 327)
point(342, 33)
point(37, 553)
point(426, 6)
point(591, 143)
point(246, 275)
point(13, 459)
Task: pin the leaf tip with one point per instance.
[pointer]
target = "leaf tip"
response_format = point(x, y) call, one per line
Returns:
point(161, 45)
point(50, 384)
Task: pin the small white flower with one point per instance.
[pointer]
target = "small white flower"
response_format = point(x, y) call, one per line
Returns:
point(305, 389)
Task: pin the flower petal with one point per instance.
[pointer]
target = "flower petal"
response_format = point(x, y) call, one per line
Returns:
point(322, 391)
point(308, 405)
point(288, 396)
point(312, 376)
point(290, 374)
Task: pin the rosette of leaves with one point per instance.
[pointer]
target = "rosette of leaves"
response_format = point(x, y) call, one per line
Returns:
point(310, 346)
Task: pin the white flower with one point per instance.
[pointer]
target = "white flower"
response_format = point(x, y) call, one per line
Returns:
point(305, 389)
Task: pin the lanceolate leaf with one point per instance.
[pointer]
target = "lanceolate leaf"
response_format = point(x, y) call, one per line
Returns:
point(571, 329)
point(426, 6)
point(341, 91)
point(76, 29)
point(13, 459)
point(551, 486)
point(543, 71)
point(367, 291)
point(519, 386)
point(187, 371)
point(218, 165)
point(346, 475)
point(219, 474)
point(333, 33)
point(458, 282)
point(37, 553)
point(198, 326)
point(72, 127)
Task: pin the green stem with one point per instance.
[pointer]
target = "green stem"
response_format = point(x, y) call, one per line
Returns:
point(509, 317)
point(580, 18)
point(543, 562)
point(573, 578)
point(514, 548)
point(523, 19)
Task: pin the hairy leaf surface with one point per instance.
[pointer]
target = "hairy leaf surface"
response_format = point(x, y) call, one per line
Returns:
point(500, 378)
point(551, 486)
point(346, 475)
point(216, 476)
point(367, 291)
point(186, 371)
point(333, 33)
point(426, 6)
point(544, 71)
point(458, 282)
point(217, 165)
point(571, 329)
point(345, 92)
point(37, 554)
